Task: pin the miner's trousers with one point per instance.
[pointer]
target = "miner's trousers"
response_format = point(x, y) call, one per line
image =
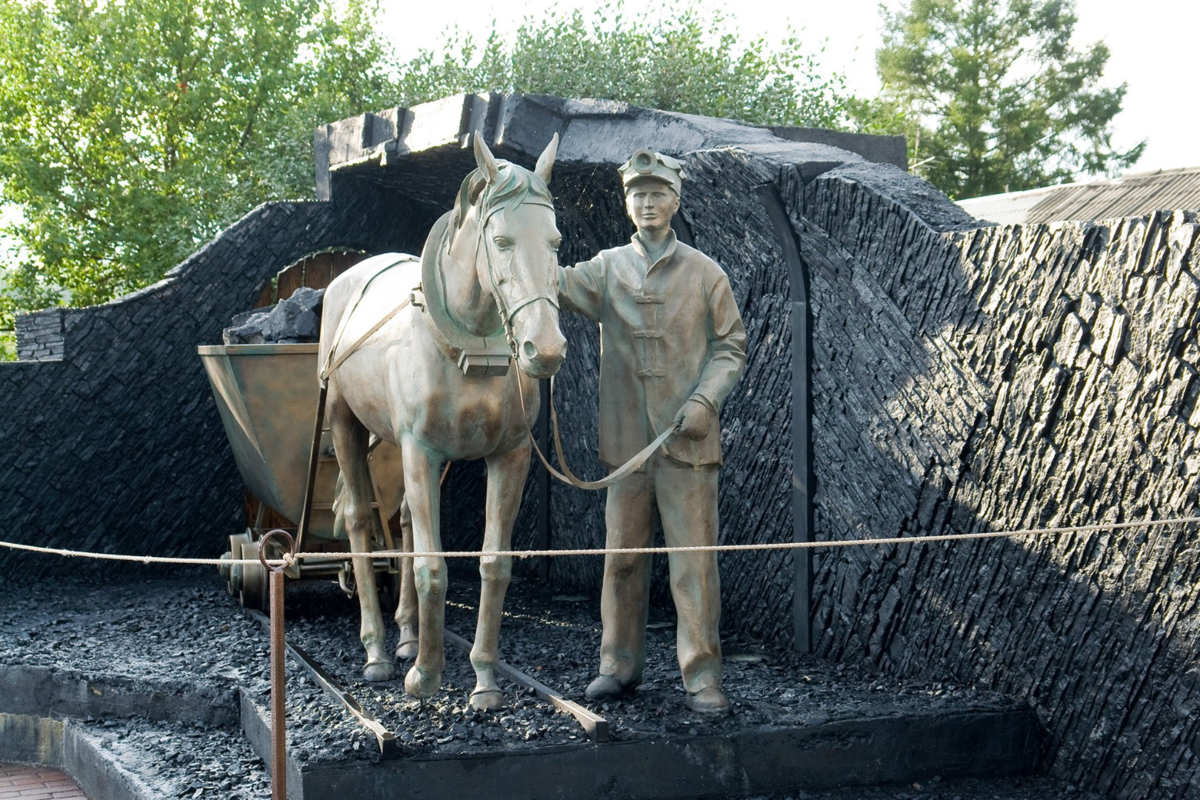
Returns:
point(686, 499)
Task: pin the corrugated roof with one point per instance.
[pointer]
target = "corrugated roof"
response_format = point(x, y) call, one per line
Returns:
point(1128, 196)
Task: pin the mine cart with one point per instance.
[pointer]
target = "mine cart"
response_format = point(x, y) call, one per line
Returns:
point(267, 395)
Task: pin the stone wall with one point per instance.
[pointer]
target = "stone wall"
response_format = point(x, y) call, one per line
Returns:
point(40, 336)
point(1009, 378)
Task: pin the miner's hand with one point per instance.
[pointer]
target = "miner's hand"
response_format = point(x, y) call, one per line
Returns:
point(694, 420)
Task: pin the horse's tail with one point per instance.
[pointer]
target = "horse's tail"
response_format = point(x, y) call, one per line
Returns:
point(341, 498)
point(339, 508)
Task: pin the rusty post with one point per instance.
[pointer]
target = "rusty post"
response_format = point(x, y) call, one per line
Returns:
point(278, 695)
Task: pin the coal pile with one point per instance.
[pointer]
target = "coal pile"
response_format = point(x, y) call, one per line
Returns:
point(324, 622)
point(186, 631)
point(295, 320)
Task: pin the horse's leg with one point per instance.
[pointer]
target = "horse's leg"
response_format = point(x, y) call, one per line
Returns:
point(506, 473)
point(423, 494)
point(406, 608)
point(350, 440)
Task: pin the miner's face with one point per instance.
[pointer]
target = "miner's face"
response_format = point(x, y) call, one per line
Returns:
point(651, 205)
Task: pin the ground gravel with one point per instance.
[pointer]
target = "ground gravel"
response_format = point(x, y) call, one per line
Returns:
point(186, 628)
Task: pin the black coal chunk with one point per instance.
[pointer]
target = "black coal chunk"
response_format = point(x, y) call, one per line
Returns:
point(294, 320)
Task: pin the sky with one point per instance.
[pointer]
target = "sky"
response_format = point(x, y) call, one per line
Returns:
point(1153, 50)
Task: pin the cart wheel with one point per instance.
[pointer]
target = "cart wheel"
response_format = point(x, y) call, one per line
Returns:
point(254, 579)
point(232, 573)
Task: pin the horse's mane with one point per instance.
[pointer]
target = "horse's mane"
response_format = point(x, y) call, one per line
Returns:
point(514, 185)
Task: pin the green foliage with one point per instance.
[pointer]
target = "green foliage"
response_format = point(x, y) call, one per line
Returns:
point(993, 97)
point(134, 130)
point(681, 59)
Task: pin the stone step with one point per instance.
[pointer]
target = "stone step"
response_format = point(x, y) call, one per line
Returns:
point(874, 749)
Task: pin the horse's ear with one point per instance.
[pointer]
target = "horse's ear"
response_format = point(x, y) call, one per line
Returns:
point(546, 160)
point(484, 158)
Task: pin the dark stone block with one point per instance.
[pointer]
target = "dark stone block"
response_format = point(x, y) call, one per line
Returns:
point(879, 149)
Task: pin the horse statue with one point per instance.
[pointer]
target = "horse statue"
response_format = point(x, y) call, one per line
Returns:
point(435, 381)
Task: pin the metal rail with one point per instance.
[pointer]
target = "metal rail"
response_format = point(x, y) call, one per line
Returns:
point(594, 725)
point(389, 745)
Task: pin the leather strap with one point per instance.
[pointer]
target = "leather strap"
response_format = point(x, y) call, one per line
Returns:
point(329, 369)
point(613, 477)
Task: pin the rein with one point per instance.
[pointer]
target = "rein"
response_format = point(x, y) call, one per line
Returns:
point(632, 465)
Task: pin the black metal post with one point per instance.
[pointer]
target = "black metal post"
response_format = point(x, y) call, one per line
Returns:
point(802, 465)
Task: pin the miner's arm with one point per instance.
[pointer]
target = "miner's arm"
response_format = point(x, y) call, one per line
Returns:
point(581, 287)
point(727, 348)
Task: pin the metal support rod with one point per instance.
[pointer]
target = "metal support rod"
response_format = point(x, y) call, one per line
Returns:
point(278, 731)
point(278, 691)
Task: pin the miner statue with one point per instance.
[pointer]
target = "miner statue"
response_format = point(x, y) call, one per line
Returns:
point(672, 347)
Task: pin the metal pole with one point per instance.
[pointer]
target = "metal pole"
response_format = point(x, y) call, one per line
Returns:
point(278, 732)
point(278, 683)
point(802, 459)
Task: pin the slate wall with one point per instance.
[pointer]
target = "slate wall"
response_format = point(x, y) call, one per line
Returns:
point(117, 445)
point(1005, 378)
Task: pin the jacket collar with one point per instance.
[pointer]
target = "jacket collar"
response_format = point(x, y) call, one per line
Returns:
point(641, 248)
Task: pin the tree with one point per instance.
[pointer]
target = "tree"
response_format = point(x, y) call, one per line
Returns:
point(134, 130)
point(994, 97)
point(677, 60)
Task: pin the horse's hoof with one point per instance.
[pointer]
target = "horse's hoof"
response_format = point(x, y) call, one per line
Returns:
point(487, 699)
point(379, 671)
point(420, 683)
point(407, 651)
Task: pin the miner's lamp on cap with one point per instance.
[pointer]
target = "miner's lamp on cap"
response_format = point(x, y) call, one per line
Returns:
point(643, 162)
point(646, 165)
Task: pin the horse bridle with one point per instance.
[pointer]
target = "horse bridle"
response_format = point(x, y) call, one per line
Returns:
point(507, 309)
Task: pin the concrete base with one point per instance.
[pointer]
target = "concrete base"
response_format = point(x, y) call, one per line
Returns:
point(886, 749)
point(47, 692)
point(40, 708)
point(880, 745)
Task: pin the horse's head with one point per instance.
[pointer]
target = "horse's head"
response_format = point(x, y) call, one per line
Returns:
point(510, 212)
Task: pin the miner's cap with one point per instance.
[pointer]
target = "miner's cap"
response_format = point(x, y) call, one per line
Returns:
point(646, 165)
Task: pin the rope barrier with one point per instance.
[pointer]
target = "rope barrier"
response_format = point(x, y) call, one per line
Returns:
point(288, 559)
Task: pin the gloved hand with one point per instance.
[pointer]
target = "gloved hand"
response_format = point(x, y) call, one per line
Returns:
point(694, 420)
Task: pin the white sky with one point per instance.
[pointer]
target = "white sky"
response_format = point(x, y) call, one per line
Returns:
point(1154, 49)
